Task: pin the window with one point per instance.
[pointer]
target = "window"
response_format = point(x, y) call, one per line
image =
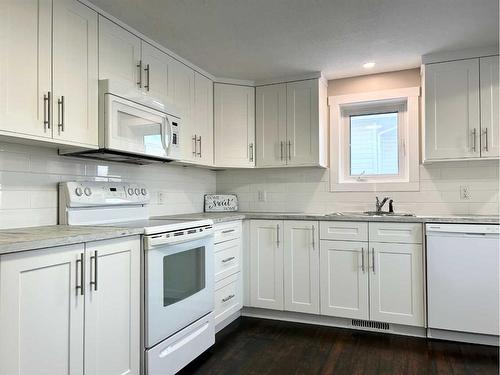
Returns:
point(374, 141)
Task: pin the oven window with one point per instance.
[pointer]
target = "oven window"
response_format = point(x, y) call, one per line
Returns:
point(183, 275)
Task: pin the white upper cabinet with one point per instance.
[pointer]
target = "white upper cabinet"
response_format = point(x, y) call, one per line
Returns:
point(203, 119)
point(25, 67)
point(42, 312)
point(157, 74)
point(490, 121)
point(75, 73)
point(291, 124)
point(270, 109)
point(234, 119)
point(461, 109)
point(301, 266)
point(119, 53)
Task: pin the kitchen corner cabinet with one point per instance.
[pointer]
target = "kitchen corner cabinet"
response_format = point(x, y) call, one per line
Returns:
point(234, 125)
point(291, 124)
point(461, 109)
point(48, 322)
point(48, 72)
point(284, 265)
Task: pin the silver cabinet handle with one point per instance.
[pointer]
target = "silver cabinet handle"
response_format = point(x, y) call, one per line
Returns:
point(485, 139)
point(199, 141)
point(60, 113)
point(373, 259)
point(281, 150)
point(474, 131)
point(228, 259)
point(363, 260)
point(228, 231)
point(94, 258)
point(250, 146)
point(193, 138)
point(46, 111)
point(277, 235)
point(289, 150)
point(139, 76)
point(146, 69)
point(80, 287)
point(231, 296)
point(312, 233)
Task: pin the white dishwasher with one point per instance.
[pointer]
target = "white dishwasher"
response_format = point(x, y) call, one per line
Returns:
point(463, 282)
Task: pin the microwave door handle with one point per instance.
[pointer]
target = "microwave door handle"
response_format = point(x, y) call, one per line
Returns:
point(166, 126)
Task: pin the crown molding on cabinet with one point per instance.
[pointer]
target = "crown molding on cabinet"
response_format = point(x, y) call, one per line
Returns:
point(147, 39)
point(469, 53)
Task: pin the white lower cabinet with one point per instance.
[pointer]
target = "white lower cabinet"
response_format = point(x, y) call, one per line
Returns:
point(396, 283)
point(50, 325)
point(301, 266)
point(344, 279)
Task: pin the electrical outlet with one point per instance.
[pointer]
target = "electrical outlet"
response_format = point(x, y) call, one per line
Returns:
point(161, 197)
point(465, 193)
point(262, 196)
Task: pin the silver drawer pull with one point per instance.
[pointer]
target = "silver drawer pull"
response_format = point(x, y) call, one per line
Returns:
point(228, 259)
point(231, 296)
point(228, 231)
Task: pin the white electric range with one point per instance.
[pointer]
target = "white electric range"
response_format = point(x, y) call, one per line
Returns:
point(178, 274)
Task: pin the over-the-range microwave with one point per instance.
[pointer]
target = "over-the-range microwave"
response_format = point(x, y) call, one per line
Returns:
point(133, 127)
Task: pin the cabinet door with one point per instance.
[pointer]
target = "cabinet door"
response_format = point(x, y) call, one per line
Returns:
point(344, 279)
point(452, 110)
point(266, 264)
point(301, 266)
point(302, 122)
point(234, 125)
point(203, 118)
point(41, 312)
point(75, 73)
point(183, 95)
point(157, 73)
point(490, 121)
point(271, 125)
point(112, 307)
point(119, 53)
point(396, 283)
point(25, 63)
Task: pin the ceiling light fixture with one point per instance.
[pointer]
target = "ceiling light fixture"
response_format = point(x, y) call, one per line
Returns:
point(368, 65)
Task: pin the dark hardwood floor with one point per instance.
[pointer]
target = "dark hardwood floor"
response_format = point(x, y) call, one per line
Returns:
point(258, 346)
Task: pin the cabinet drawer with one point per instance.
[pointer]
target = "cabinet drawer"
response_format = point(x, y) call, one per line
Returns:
point(343, 231)
point(396, 232)
point(227, 231)
point(227, 258)
point(228, 297)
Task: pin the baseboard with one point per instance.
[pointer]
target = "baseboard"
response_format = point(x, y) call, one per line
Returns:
point(231, 318)
point(396, 329)
point(473, 338)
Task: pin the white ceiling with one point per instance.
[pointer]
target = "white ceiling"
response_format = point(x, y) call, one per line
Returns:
point(262, 39)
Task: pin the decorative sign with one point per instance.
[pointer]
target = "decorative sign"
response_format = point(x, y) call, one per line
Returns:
point(221, 202)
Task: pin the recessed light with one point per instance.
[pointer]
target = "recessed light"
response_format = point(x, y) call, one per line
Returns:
point(368, 65)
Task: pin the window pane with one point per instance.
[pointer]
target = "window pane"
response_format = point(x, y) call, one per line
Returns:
point(374, 144)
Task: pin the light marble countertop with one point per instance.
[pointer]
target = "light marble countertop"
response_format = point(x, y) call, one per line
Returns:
point(22, 239)
point(231, 216)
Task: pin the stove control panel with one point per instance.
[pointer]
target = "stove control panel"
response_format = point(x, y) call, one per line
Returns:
point(101, 193)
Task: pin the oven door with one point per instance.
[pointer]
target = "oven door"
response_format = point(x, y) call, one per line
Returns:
point(179, 286)
point(134, 128)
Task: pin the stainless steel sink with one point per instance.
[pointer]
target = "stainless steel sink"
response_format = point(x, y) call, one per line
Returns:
point(372, 213)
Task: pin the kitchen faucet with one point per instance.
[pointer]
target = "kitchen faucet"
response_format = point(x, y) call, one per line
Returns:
point(380, 204)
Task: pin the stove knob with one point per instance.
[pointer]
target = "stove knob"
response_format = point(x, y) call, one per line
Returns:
point(137, 191)
point(130, 191)
point(144, 191)
point(87, 191)
point(78, 191)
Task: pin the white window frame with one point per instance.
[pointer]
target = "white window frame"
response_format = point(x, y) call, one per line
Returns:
point(406, 102)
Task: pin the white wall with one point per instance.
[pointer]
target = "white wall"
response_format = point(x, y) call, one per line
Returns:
point(307, 190)
point(29, 177)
